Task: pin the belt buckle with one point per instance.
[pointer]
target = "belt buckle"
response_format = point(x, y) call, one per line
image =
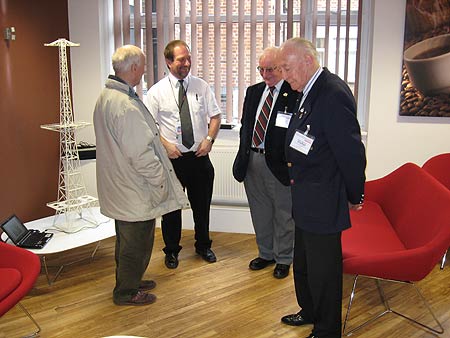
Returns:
point(258, 150)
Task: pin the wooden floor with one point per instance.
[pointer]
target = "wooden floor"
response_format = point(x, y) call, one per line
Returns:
point(200, 300)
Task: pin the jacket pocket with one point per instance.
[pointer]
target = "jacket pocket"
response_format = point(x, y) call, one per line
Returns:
point(159, 194)
point(315, 203)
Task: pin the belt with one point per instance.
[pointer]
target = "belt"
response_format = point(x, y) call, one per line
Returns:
point(189, 153)
point(186, 155)
point(258, 150)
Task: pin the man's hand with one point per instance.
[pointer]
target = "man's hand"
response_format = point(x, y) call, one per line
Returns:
point(355, 207)
point(204, 148)
point(171, 149)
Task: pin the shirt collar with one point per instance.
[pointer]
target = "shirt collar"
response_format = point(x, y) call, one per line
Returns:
point(114, 77)
point(311, 81)
point(277, 86)
point(174, 80)
point(131, 91)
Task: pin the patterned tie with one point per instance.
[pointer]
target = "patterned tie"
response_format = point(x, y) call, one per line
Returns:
point(187, 134)
point(263, 119)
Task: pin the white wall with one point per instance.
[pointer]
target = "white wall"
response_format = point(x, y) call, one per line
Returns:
point(89, 22)
point(393, 139)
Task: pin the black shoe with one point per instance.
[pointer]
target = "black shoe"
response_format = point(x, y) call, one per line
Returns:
point(281, 271)
point(259, 263)
point(312, 336)
point(207, 254)
point(171, 260)
point(295, 320)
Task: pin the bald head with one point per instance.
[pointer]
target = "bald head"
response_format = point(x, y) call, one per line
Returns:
point(269, 53)
point(302, 46)
point(298, 61)
point(268, 66)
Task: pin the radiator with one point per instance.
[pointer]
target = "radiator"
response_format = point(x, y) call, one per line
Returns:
point(227, 191)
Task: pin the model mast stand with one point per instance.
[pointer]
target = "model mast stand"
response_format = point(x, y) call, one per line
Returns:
point(72, 196)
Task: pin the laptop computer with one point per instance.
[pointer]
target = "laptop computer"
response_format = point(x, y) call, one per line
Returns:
point(23, 237)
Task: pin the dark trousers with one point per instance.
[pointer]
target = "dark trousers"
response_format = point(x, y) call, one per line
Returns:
point(134, 245)
point(318, 280)
point(196, 175)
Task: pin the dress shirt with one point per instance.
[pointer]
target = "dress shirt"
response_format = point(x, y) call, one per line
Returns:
point(162, 102)
point(309, 85)
point(261, 103)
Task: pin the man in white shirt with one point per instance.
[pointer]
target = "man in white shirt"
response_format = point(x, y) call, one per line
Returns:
point(183, 105)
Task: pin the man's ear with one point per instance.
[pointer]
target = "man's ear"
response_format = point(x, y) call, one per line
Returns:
point(168, 63)
point(308, 59)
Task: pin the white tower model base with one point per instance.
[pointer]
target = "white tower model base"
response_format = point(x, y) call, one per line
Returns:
point(73, 203)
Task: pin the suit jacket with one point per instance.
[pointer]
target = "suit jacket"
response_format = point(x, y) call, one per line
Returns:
point(275, 136)
point(333, 172)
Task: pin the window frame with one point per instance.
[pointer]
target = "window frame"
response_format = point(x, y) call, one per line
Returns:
point(311, 22)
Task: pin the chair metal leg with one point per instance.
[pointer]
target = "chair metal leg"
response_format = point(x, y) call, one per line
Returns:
point(350, 302)
point(443, 260)
point(349, 332)
point(36, 333)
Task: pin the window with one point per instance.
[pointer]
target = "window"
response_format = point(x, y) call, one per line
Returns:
point(227, 36)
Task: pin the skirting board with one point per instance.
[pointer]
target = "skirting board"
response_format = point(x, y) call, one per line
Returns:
point(222, 219)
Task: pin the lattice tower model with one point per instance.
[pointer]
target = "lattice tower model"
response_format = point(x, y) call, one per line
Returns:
point(72, 195)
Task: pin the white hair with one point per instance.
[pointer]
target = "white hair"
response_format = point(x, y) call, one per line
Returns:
point(304, 45)
point(126, 56)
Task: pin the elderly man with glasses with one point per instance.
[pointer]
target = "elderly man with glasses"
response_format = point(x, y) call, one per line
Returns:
point(261, 165)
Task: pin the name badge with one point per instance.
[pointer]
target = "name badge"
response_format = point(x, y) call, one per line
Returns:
point(283, 119)
point(302, 142)
point(178, 132)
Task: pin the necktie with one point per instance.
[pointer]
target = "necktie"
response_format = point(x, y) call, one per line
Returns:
point(187, 136)
point(297, 102)
point(263, 119)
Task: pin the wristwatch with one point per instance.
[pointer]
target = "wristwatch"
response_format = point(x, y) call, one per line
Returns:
point(210, 139)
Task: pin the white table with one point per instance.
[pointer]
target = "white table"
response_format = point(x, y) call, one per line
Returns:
point(93, 227)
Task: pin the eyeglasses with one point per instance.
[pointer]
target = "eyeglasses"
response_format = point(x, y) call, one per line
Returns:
point(267, 70)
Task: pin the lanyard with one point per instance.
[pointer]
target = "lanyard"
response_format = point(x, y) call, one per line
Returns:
point(179, 104)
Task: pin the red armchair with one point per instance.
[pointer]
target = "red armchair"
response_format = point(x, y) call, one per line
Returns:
point(400, 234)
point(19, 269)
point(439, 167)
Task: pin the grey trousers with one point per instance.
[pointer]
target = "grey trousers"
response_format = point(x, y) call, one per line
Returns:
point(134, 245)
point(271, 211)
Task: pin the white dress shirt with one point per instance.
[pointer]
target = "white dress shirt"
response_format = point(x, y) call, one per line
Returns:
point(162, 102)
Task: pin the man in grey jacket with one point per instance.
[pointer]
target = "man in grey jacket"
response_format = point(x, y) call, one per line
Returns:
point(135, 179)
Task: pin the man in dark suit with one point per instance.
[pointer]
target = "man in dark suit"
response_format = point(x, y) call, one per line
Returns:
point(261, 164)
point(326, 160)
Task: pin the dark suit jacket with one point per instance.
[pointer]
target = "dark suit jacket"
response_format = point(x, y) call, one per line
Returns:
point(275, 136)
point(333, 171)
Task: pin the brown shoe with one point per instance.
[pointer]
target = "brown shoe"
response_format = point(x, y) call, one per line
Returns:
point(140, 298)
point(147, 285)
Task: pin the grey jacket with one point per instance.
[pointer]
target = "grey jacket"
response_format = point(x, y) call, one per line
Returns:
point(135, 178)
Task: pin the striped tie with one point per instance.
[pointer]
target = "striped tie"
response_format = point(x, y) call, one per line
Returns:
point(263, 119)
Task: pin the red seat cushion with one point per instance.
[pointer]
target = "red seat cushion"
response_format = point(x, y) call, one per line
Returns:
point(9, 281)
point(370, 234)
